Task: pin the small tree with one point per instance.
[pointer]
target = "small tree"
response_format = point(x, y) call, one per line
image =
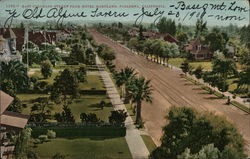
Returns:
point(185, 67)
point(118, 117)
point(46, 69)
point(198, 72)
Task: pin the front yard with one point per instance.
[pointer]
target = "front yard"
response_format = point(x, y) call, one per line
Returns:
point(87, 147)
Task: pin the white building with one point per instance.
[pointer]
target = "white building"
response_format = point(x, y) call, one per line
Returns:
point(8, 46)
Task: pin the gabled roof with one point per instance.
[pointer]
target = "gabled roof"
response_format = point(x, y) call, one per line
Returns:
point(5, 101)
point(14, 119)
point(170, 38)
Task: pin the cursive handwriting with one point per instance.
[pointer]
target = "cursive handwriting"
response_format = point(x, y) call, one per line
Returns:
point(147, 13)
point(38, 13)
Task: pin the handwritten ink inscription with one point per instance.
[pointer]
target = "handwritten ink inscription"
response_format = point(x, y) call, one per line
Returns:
point(224, 11)
point(180, 10)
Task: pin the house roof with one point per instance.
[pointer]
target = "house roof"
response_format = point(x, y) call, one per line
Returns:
point(14, 119)
point(19, 32)
point(170, 38)
point(5, 101)
point(7, 33)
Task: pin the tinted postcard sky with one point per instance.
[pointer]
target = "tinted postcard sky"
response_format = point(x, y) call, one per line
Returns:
point(215, 12)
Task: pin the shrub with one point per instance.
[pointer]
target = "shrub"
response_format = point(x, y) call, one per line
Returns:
point(43, 138)
point(32, 155)
point(41, 87)
point(118, 117)
point(51, 134)
point(89, 118)
point(36, 141)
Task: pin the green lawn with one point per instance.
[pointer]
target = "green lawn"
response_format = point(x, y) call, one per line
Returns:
point(93, 82)
point(27, 99)
point(207, 65)
point(90, 104)
point(92, 148)
point(84, 104)
point(149, 142)
point(50, 80)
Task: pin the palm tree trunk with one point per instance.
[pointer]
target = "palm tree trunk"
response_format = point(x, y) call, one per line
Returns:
point(138, 112)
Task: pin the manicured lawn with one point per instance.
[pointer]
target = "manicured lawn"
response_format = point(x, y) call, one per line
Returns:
point(93, 82)
point(27, 99)
point(90, 104)
point(149, 142)
point(92, 148)
point(207, 65)
point(176, 61)
point(84, 104)
point(50, 80)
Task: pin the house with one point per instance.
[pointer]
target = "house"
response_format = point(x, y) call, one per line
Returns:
point(38, 37)
point(9, 122)
point(62, 35)
point(8, 44)
point(197, 50)
point(153, 35)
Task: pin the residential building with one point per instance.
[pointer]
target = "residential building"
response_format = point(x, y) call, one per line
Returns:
point(197, 50)
point(9, 122)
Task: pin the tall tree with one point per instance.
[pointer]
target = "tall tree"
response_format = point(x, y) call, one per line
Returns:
point(166, 26)
point(190, 129)
point(66, 84)
point(201, 27)
point(223, 67)
point(140, 90)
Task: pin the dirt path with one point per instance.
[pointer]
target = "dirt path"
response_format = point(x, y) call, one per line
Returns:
point(170, 89)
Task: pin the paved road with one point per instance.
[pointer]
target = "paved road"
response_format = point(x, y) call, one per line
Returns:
point(135, 143)
point(170, 89)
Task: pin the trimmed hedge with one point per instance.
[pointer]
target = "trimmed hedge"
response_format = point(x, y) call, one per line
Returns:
point(69, 132)
point(93, 92)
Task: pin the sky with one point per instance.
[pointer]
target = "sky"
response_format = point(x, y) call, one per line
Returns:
point(181, 11)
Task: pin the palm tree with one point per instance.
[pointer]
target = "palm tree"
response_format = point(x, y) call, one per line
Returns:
point(124, 78)
point(140, 90)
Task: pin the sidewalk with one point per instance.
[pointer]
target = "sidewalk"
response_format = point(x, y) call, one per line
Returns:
point(135, 143)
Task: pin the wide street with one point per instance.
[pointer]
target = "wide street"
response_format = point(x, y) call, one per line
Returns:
point(171, 89)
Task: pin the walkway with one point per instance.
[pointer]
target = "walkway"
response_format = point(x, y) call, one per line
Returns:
point(135, 143)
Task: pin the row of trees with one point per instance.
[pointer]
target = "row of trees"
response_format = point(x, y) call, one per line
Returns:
point(193, 135)
point(156, 49)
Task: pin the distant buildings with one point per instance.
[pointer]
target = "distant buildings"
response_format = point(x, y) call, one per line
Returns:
point(153, 35)
point(9, 122)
